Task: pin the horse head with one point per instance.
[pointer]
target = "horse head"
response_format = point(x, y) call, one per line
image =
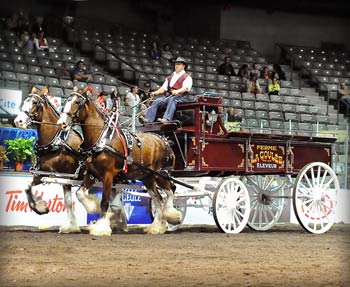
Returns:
point(72, 107)
point(31, 108)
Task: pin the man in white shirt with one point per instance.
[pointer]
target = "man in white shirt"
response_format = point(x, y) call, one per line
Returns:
point(177, 85)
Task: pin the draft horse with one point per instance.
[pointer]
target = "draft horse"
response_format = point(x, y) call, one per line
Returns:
point(116, 155)
point(55, 152)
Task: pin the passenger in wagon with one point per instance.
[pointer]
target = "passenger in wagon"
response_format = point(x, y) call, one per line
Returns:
point(177, 85)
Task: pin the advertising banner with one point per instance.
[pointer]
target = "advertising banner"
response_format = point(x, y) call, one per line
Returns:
point(10, 101)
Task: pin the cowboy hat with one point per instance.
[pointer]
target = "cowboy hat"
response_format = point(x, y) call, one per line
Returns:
point(181, 60)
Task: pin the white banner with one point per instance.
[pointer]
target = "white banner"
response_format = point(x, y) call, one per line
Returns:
point(14, 208)
point(10, 101)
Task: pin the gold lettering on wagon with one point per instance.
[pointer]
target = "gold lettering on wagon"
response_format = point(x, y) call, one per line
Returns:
point(268, 156)
point(204, 163)
point(327, 151)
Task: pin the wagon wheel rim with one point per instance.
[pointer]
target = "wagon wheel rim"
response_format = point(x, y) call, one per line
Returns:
point(266, 204)
point(231, 206)
point(315, 197)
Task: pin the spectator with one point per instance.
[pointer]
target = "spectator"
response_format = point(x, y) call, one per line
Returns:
point(146, 94)
point(226, 68)
point(274, 87)
point(177, 85)
point(243, 72)
point(154, 52)
point(253, 85)
point(166, 53)
point(80, 73)
point(29, 45)
point(38, 26)
point(23, 39)
point(344, 97)
point(41, 43)
point(255, 70)
point(278, 73)
point(104, 102)
point(265, 74)
point(233, 121)
point(134, 105)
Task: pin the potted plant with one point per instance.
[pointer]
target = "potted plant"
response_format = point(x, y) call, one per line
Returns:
point(3, 156)
point(21, 150)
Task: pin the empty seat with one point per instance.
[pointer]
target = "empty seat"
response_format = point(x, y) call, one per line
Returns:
point(52, 82)
point(262, 114)
point(99, 79)
point(248, 96)
point(305, 129)
point(276, 126)
point(276, 99)
point(58, 92)
point(6, 66)
point(322, 119)
point(263, 106)
point(290, 127)
point(275, 107)
point(49, 72)
point(109, 89)
point(287, 108)
point(9, 76)
point(36, 70)
point(307, 118)
point(45, 62)
point(262, 97)
point(248, 104)
point(314, 110)
point(66, 84)
point(276, 116)
point(210, 77)
point(290, 100)
point(304, 101)
point(234, 95)
point(23, 77)
point(302, 109)
point(36, 79)
point(236, 103)
point(248, 113)
point(291, 117)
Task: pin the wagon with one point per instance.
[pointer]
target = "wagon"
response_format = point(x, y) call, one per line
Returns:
point(249, 175)
point(246, 175)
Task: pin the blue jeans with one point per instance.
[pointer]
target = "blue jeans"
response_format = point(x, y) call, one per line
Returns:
point(170, 108)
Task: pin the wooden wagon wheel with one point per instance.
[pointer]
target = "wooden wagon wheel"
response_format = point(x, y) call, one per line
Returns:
point(266, 201)
point(231, 205)
point(315, 197)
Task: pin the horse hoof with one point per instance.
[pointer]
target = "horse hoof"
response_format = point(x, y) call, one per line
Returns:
point(41, 207)
point(100, 228)
point(173, 216)
point(69, 229)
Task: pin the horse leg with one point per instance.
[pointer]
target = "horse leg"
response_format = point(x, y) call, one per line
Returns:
point(103, 226)
point(171, 214)
point(36, 203)
point(116, 206)
point(158, 225)
point(90, 202)
point(71, 225)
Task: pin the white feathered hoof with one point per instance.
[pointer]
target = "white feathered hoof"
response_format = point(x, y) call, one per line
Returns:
point(41, 207)
point(100, 228)
point(69, 228)
point(172, 215)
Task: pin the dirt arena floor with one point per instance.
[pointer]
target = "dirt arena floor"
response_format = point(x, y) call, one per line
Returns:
point(190, 256)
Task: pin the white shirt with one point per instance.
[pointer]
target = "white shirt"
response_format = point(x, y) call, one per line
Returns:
point(132, 100)
point(186, 83)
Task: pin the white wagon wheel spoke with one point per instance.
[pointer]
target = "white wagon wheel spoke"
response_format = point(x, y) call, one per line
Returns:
point(231, 205)
point(314, 205)
point(265, 208)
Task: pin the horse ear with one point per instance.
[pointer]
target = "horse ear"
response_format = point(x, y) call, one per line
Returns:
point(44, 91)
point(33, 91)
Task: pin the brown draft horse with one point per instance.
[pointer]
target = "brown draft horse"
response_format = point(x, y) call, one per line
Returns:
point(53, 155)
point(105, 143)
